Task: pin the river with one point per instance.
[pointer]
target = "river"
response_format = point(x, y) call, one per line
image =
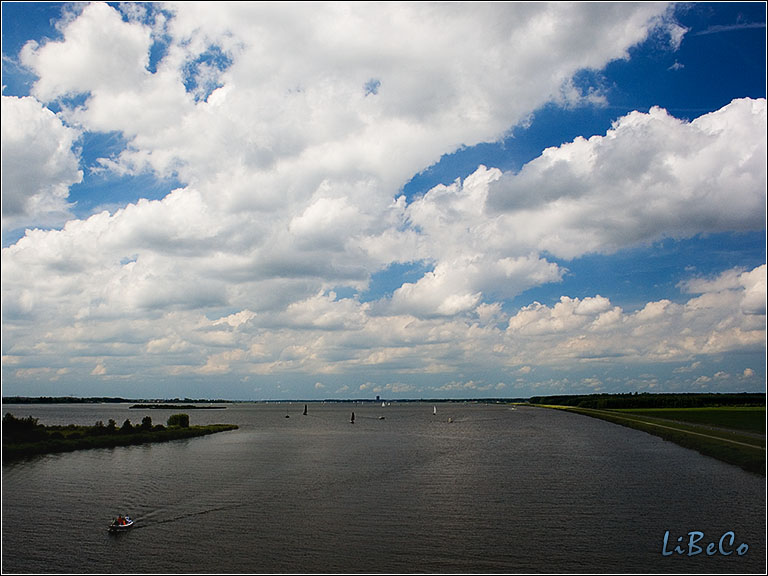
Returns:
point(471, 488)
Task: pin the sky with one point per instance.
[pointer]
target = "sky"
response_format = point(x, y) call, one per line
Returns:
point(265, 201)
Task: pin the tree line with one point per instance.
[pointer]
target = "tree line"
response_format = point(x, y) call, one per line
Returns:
point(17, 430)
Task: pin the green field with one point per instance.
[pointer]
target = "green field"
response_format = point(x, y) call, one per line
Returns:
point(733, 435)
point(747, 419)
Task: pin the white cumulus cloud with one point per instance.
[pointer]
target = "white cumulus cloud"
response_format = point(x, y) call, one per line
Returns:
point(292, 131)
point(38, 164)
point(651, 176)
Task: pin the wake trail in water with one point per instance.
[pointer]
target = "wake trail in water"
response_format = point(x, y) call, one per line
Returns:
point(149, 521)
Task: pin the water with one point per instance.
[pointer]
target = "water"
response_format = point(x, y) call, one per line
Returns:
point(495, 490)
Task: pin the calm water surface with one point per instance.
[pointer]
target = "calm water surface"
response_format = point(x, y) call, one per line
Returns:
point(495, 490)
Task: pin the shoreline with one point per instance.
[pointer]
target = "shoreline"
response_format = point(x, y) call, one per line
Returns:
point(174, 407)
point(731, 446)
point(57, 442)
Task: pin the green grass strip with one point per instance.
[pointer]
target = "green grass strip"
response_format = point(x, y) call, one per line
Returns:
point(747, 418)
point(742, 450)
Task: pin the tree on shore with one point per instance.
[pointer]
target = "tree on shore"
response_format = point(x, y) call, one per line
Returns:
point(180, 420)
point(20, 429)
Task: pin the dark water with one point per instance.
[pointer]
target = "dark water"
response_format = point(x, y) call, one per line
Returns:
point(496, 490)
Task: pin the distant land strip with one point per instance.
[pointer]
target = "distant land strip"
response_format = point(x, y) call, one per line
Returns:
point(103, 400)
point(175, 407)
point(601, 401)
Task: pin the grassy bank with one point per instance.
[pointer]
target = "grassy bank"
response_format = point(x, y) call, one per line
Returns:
point(744, 418)
point(732, 435)
point(25, 437)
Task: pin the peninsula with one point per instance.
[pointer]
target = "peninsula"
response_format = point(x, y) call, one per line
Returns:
point(24, 437)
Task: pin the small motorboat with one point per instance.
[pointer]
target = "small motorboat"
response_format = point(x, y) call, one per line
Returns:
point(121, 523)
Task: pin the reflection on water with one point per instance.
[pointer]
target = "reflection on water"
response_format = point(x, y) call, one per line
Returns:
point(400, 490)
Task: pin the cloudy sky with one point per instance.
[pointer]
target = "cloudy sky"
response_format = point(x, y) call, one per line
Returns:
point(418, 200)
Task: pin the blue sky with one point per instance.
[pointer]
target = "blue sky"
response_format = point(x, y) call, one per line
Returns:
point(265, 201)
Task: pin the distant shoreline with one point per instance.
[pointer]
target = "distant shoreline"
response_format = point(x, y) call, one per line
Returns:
point(616, 400)
point(600, 401)
point(175, 407)
point(107, 400)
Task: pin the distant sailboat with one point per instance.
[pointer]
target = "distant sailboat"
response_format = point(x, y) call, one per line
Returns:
point(305, 409)
point(434, 410)
point(352, 420)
